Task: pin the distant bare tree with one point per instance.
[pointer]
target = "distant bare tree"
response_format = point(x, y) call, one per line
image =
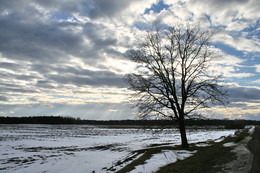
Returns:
point(173, 78)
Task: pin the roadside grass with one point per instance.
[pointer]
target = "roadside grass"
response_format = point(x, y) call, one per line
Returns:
point(147, 154)
point(206, 159)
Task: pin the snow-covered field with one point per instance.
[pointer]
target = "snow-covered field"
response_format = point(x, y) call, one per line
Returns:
point(83, 148)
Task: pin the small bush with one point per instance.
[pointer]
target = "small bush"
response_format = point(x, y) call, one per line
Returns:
point(235, 125)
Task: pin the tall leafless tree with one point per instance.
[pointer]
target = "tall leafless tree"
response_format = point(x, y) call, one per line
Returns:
point(173, 78)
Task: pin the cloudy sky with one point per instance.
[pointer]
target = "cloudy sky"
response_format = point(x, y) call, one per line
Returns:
point(64, 57)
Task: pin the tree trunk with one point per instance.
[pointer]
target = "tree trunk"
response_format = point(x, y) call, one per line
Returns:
point(184, 141)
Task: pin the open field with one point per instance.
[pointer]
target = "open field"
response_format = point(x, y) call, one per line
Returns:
point(84, 148)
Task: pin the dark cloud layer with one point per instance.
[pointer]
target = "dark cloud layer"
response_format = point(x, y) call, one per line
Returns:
point(98, 79)
point(44, 44)
point(97, 37)
point(34, 35)
point(78, 76)
point(37, 41)
point(8, 65)
point(92, 8)
point(243, 94)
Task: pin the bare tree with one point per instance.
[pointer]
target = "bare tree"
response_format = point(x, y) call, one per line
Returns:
point(173, 78)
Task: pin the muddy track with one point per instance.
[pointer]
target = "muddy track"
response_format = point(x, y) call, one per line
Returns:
point(255, 149)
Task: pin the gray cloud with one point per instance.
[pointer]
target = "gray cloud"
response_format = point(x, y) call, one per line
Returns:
point(103, 8)
point(102, 40)
point(40, 45)
point(81, 77)
point(18, 82)
point(27, 25)
point(221, 3)
point(243, 94)
point(35, 40)
point(18, 90)
point(3, 98)
point(76, 76)
point(9, 65)
point(47, 84)
point(31, 34)
point(96, 33)
point(54, 76)
point(20, 76)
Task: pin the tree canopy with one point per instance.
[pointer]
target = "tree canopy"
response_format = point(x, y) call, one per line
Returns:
point(174, 78)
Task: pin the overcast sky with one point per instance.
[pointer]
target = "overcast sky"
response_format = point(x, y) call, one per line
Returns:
point(64, 57)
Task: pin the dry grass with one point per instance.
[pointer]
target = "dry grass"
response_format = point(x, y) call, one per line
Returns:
point(206, 159)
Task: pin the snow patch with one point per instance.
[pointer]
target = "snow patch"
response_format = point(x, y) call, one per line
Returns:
point(83, 148)
point(202, 144)
point(229, 144)
point(162, 159)
point(244, 158)
point(119, 164)
point(251, 130)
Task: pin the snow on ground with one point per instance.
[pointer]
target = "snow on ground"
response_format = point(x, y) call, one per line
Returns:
point(251, 130)
point(82, 148)
point(244, 157)
point(162, 159)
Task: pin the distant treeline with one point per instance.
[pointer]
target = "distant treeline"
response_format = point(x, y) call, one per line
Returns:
point(71, 120)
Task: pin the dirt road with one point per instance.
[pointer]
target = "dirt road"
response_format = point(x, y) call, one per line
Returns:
point(254, 146)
